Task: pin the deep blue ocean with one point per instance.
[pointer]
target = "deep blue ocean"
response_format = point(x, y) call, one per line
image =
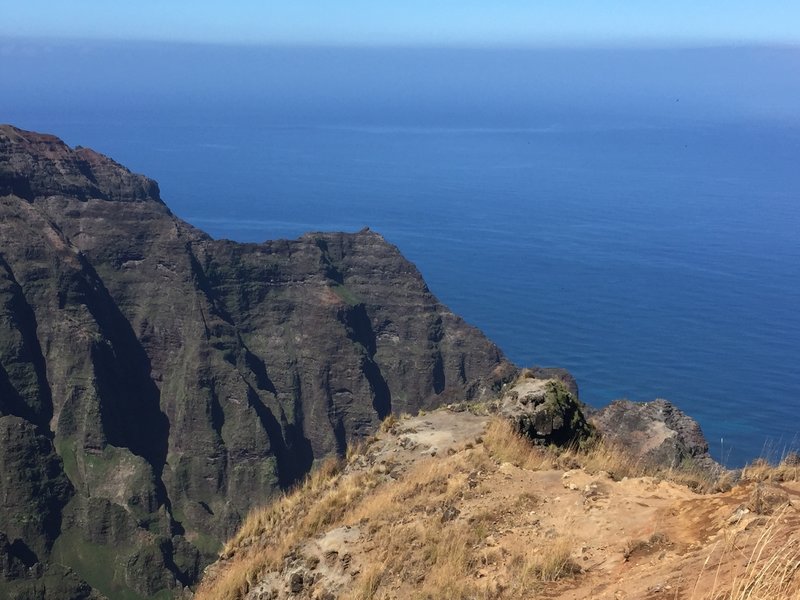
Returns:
point(631, 215)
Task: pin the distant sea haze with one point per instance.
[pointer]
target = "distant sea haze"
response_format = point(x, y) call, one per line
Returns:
point(630, 215)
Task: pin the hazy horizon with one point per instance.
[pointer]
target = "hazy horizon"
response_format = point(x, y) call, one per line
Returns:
point(449, 87)
point(414, 22)
point(645, 44)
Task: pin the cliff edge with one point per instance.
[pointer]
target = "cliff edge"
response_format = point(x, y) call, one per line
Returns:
point(156, 383)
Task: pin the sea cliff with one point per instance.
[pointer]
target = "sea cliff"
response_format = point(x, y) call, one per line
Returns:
point(157, 384)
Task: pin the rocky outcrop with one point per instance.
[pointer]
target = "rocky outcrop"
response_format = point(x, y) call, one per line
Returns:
point(448, 504)
point(657, 433)
point(556, 373)
point(545, 410)
point(543, 405)
point(155, 383)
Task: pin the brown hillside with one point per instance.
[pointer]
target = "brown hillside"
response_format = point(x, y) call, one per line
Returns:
point(454, 506)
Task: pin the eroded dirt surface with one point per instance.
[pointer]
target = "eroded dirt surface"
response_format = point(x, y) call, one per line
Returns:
point(637, 538)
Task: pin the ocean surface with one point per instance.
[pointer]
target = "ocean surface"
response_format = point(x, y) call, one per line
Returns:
point(630, 215)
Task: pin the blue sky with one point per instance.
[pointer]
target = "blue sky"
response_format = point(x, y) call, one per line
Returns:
point(411, 22)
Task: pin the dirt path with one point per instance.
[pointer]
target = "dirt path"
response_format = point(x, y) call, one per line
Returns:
point(637, 538)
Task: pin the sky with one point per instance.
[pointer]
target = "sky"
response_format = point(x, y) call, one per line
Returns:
point(411, 22)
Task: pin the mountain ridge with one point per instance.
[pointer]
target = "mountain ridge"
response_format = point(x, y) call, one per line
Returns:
point(459, 504)
point(156, 383)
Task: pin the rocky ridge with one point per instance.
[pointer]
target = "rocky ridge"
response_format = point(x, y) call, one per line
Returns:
point(156, 383)
point(657, 432)
point(453, 504)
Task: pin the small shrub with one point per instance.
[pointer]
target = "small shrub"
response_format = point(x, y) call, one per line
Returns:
point(654, 542)
point(389, 422)
point(544, 565)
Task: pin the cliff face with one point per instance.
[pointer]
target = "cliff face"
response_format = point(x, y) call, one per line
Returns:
point(156, 383)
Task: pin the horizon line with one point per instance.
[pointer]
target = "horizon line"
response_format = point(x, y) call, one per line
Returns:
point(629, 44)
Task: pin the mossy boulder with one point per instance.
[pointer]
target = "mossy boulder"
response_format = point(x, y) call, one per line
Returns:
point(545, 411)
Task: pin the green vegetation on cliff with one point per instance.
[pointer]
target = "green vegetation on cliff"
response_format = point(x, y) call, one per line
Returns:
point(155, 384)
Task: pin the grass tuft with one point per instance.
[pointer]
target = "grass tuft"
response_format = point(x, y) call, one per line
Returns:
point(319, 502)
point(507, 445)
point(426, 541)
point(555, 563)
point(787, 469)
point(770, 571)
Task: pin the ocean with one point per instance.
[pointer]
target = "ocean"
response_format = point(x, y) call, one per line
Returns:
point(632, 215)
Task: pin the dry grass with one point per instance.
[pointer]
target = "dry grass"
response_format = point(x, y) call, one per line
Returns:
point(430, 484)
point(425, 542)
point(239, 578)
point(359, 447)
point(329, 498)
point(389, 422)
point(320, 502)
point(553, 564)
point(264, 521)
point(437, 558)
point(507, 445)
point(533, 567)
point(449, 552)
point(368, 584)
point(761, 470)
point(645, 546)
point(413, 539)
point(430, 556)
point(768, 572)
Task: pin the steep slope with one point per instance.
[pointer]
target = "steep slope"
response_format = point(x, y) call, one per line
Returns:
point(453, 505)
point(156, 383)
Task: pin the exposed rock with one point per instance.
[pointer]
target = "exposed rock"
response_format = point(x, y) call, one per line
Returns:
point(24, 577)
point(156, 383)
point(656, 432)
point(557, 373)
point(465, 523)
point(767, 499)
point(449, 512)
point(296, 582)
point(34, 489)
point(545, 411)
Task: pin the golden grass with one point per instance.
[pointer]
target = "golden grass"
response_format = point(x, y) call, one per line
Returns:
point(447, 551)
point(329, 498)
point(438, 558)
point(507, 445)
point(551, 565)
point(433, 482)
point(368, 584)
point(263, 521)
point(768, 572)
point(762, 470)
point(556, 563)
point(238, 580)
point(389, 422)
point(421, 553)
point(413, 541)
point(269, 533)
point(534, 566)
